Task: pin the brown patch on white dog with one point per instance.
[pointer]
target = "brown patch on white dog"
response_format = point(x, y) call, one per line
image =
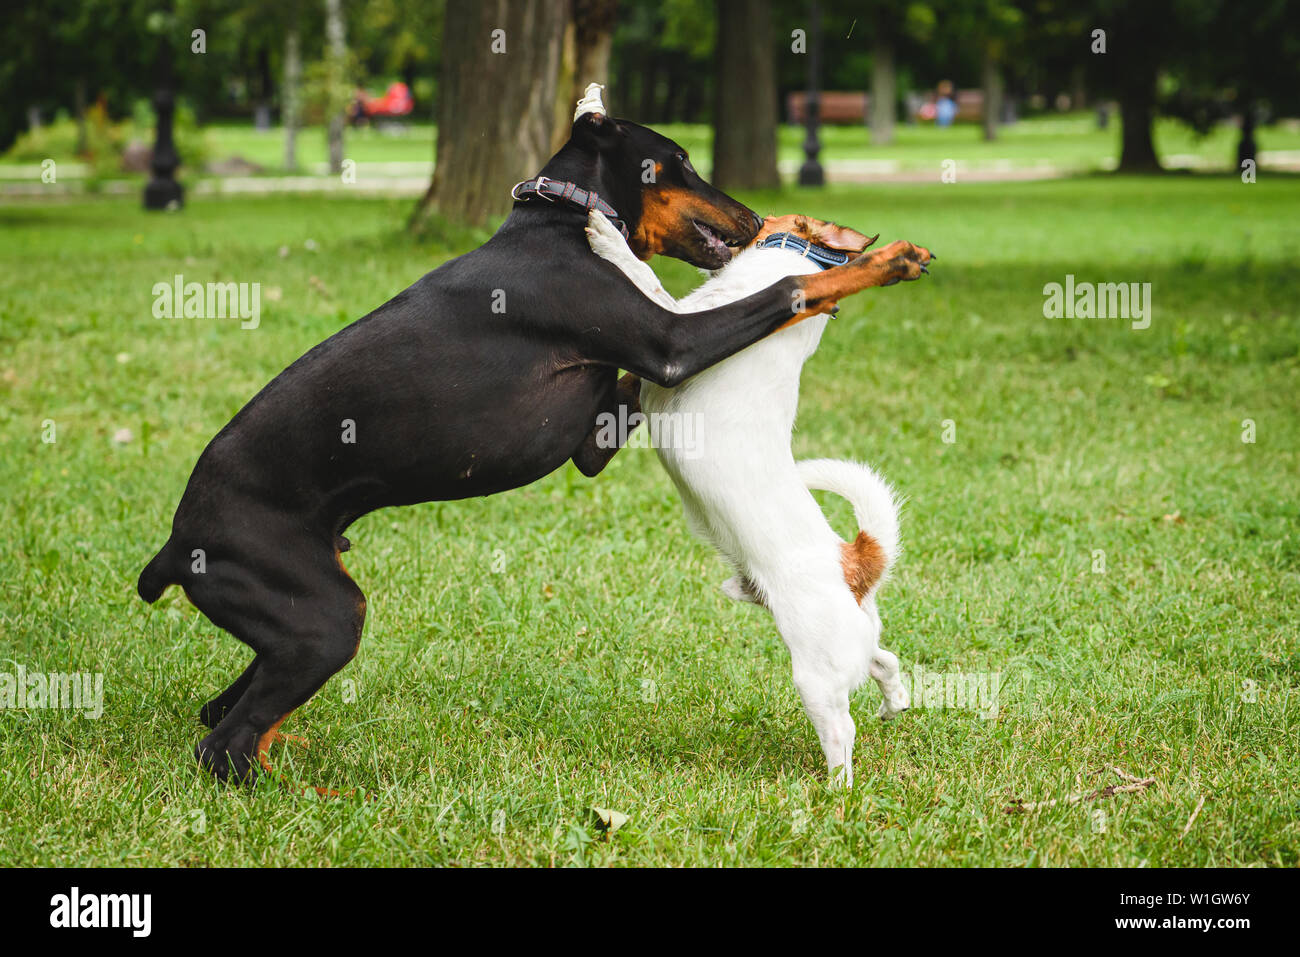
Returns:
point(864, 562)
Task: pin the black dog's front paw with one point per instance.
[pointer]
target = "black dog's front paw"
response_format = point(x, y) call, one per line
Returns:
point(227, 761)
point(212, 713)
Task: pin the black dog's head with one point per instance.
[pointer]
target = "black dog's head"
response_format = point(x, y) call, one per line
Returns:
point(668, 207)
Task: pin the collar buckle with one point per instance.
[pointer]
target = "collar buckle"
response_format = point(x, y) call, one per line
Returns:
point(535, 185)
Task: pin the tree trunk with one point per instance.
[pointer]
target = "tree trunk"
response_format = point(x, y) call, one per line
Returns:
point(495, 110)
point(1078, 89)
point(676, 78)
point(335, 53)
point(564, 83)
point(623, 84)
point(79, 107)
point(992, 83)
point(744, 117)
point(1137, 106)
point(593, 22)
point(265, 89)
point(588, 38)
point(882, 91)
point(290, 94)
point(649, 85)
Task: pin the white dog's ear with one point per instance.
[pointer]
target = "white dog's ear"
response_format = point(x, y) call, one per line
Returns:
point(841, 237)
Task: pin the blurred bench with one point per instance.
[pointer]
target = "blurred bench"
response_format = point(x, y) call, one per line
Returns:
point(970, 105)
point(846, 106)
point(833, 106)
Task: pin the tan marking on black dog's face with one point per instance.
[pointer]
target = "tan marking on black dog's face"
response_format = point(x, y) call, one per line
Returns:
point(670, 209)
point(684, 224)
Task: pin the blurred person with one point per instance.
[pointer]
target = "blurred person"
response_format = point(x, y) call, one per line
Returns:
point(945, 108)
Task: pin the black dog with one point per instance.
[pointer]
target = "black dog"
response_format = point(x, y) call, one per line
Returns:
point(486, 374)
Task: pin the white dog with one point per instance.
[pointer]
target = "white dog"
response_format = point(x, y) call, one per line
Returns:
point(744, 493)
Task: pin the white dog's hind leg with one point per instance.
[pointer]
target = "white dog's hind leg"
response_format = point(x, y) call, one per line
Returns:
point(884, 669)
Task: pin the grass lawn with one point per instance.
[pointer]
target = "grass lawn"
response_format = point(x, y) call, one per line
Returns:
point(1097, 534)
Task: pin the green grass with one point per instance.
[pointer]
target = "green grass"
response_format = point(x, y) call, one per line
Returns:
point(519, 696)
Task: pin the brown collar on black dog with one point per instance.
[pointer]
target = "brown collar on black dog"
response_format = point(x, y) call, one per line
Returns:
point(571, 194)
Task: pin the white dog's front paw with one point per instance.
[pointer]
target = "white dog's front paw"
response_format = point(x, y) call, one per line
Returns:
point(841, 777)
point(605, 241)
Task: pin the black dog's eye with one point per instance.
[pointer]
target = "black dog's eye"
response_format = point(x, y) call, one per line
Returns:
point(686, 163)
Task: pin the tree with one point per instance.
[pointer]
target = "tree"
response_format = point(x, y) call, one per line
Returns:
point(496, 97)
point(593, 39)
point(335, 79)
point(993, 27)
point(1129, 45)
point(992, 84)
point(663, 61)
point(90, 50)
point(1252, 71)
point(884, 89)
point(1136, 69)
point(291, 92)
point(744, 119)
point(588, 39)
point(899, 31)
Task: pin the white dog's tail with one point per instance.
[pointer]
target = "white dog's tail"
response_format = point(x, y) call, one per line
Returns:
point(874, 504)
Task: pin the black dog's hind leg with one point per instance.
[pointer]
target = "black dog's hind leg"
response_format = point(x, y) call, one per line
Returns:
point(212, 712)
point(304, 630)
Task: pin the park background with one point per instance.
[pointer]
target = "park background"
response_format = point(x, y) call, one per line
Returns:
point(1104, 516)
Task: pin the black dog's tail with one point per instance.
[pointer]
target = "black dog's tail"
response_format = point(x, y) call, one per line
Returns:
point(157, 575)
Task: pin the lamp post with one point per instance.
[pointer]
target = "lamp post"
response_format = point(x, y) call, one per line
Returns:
point(162, 191)
point(811, 172)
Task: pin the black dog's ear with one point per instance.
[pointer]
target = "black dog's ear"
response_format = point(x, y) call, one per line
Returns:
point(595, 132)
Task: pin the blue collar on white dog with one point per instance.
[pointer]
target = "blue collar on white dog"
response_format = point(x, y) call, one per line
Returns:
point(823, 257)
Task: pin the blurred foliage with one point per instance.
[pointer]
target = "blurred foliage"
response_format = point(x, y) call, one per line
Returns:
point(106, 140)
point(1214, 57)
